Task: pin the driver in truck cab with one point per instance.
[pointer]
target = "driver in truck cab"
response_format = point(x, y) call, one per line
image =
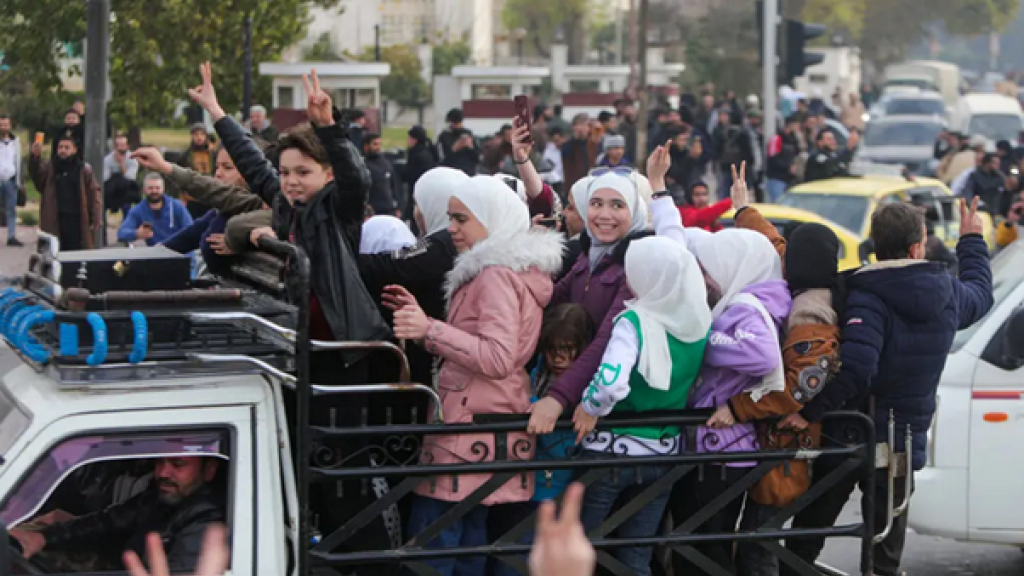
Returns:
point(179, 506)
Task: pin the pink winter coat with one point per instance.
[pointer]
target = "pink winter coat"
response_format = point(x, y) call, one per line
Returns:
point(496, 298)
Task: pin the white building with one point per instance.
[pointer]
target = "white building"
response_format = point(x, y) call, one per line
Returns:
point(405, 22)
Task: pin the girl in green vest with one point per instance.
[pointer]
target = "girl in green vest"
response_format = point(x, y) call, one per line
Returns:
point(651, 362)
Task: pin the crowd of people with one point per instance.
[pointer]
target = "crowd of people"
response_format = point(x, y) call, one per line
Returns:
point(618, 296)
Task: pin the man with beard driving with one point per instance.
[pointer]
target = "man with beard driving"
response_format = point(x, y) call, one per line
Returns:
point(179, 506)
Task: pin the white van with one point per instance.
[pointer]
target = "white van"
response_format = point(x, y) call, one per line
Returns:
point(994, 116)
point(941, 77)
point(973, 484)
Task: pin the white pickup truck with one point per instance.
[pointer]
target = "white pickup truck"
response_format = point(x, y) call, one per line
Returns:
point(973, 483)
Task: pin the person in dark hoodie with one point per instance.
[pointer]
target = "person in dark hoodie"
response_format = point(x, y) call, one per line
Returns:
point(385, 186)
point(318, 198)
point(458, 147)
point(74, 128)
point(420, 156)
point(900, 319)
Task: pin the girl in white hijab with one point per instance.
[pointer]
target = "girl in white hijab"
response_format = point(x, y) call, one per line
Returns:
point(385, 234)
point(626, 190)
point(431, 194)
point(651, 363)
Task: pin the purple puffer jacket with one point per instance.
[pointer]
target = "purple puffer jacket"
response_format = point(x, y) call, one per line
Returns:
point(603, 293)
point(740, 352)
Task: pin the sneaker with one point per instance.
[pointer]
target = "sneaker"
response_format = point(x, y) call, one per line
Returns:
point(14, 242)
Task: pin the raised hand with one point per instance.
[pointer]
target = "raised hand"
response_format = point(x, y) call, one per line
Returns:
point(740, 193)
point(521, 142)
point(970, 221)
point(151, 159)
point(658, 164)
point(561, 547)
point(214, 560)
point(205, 95)
point(318, 103)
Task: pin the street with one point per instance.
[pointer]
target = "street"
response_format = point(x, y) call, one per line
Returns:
point(925, 555)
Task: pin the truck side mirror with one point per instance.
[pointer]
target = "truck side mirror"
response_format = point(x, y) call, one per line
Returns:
point(1015, 335)
point(866, 249)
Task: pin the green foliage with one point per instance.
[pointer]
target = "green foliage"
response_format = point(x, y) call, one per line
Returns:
point(323, 50)
point(404, 85)
point(28, 217)
point(450, 54)
point(155, 49)
point(542, 18)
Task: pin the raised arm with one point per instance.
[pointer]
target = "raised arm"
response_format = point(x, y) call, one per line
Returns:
point(521, 147)
point(227, 198)
point(258, 172)
point(973, 287)
point(351, 177)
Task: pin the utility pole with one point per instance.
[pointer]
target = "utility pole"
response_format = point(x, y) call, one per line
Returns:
point(641, 121)
point(618, 33)
point(633, 45)
point(247, 71)
point(769, 62)
point(96, 63)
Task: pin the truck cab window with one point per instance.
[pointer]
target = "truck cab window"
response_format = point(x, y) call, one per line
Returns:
point(93, 497)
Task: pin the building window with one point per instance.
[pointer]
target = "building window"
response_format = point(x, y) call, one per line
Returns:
point(285, 97)
point(491, 91)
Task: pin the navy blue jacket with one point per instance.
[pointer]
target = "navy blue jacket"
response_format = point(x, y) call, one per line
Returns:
point(187, 240)
point(900, 320)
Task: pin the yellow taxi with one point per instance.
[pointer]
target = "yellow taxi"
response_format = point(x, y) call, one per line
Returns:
point(851, 200)
point(785, 219)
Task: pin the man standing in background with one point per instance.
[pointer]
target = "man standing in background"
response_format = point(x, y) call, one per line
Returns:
point(198, 157)
point(260, 126)
point(11, 178)
point(384, 187)
point(120, 173)
point(69, 205)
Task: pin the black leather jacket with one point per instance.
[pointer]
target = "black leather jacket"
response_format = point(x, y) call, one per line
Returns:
point(328, 228)
point(181, 527)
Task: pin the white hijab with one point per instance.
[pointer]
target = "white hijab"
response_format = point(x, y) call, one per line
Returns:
point(580, 195)
point(625, 187)
point(670, 299)
point(495, 205)
point(431, 193)
point(520, 188)
point(385, 234)
point(736, 258)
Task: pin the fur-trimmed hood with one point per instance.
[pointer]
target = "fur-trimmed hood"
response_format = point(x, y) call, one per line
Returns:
point(539, 249)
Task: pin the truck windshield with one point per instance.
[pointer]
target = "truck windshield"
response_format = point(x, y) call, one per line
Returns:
point(1007, 274)
point(14, 420)
point(996, 127)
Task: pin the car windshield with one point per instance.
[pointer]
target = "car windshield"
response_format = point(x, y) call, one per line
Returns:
point(915, 107)
point(847, 211)
point(901, 134)
point(14, 420)
point(996, 127)
point(1007, 274)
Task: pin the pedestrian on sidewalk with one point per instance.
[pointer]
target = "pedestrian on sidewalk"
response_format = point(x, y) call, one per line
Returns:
point(69, 206)
point(11, 178)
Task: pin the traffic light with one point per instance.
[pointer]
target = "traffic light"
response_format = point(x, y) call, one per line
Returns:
point(796, 59)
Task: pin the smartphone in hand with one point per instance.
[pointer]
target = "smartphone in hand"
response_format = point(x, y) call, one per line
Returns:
point(522, 104)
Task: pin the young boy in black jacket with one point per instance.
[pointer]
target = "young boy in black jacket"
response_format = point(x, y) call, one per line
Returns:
point(901, 316)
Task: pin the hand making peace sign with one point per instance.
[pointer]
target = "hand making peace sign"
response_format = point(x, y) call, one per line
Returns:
point(205, 95)
point(318, 103)
point(970, 221)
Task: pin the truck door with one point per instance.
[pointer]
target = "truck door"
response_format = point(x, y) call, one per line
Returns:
point(996, 473)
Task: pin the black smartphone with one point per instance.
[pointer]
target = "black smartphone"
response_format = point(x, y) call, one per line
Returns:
point(523, 113)
point(548, 222)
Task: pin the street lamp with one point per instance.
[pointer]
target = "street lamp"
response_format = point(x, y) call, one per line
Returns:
point(519, 34)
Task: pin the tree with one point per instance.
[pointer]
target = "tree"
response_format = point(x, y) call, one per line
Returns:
point(450, 54)
point(543, 18)
point(155, 47)
point(323, 50)
point(404, 84)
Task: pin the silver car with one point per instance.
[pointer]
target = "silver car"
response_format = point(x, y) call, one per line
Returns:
point(904, 140)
